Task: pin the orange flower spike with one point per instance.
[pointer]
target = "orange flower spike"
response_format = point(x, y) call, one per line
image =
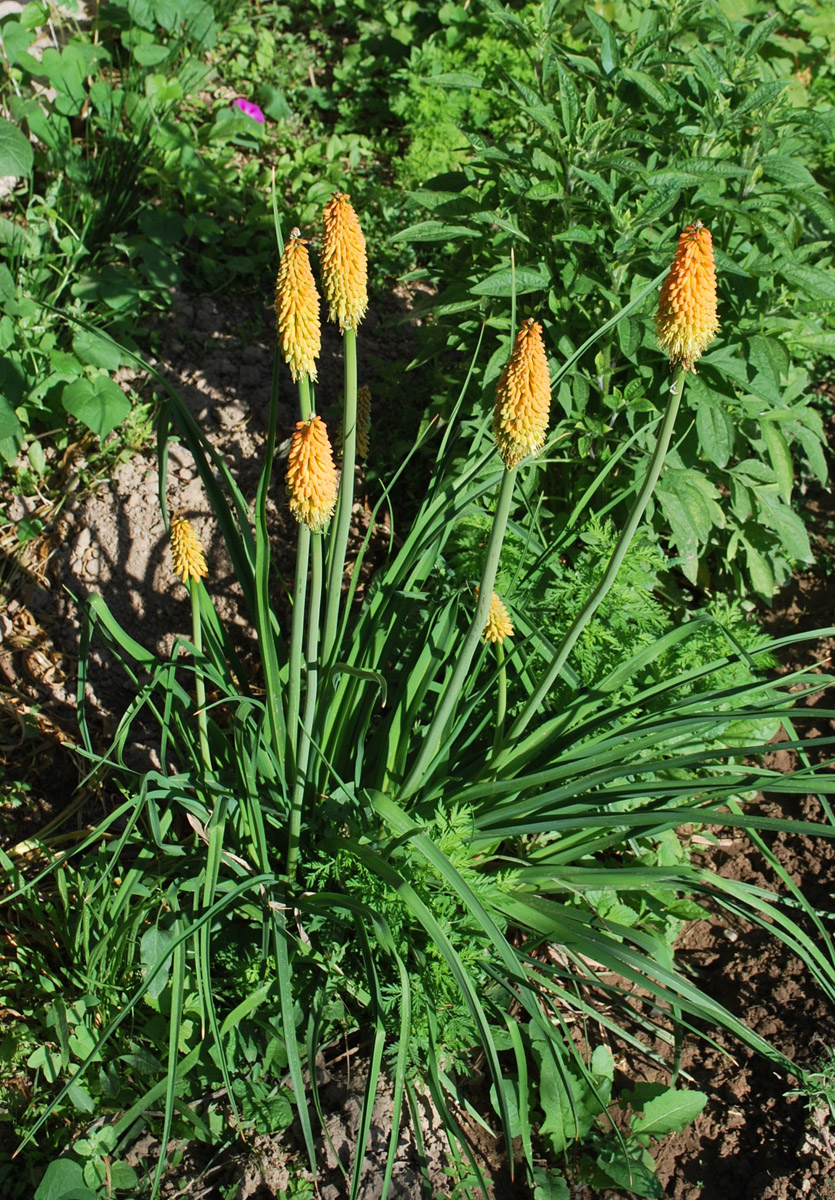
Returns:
point(344, 263)
point(523, 398)
point(686, 321)
point(312, 478)
point(186, 551)
point(498, 625)
point(297, 309)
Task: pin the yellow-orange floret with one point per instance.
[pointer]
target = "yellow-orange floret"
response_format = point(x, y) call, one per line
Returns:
point(686, 321)
point(498, 625)
point(523, 398)
point(312, 479)
point(186, 551)
point(297, 309)
point(344, 263)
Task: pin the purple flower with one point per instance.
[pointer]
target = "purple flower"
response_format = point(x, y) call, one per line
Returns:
point(250, 110)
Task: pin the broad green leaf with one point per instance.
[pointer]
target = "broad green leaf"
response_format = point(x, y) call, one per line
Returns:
point(760, 34)
point(761, 97)
point(569, 100)
point(788, 526)
point(762, 577)
point(123, 1178)
point(434, 231)
point(155, 946)
point(609, 53)
point(549, 1186)
point(715, 429)
point(454, 79)
point(577, 233)
point(505, 281)
point(97, 351)
point(80, 1098)
point(779, 456)
point(10, 426)
point(670, 1112)
point(787, 171)
point(150, 55)
point(16, 155)
point(660, 95)
point(818, 284)
point(64, 1180)
point(545, 190)
point(98, 403)
point(511, 1097)
point(811, 443)
point(632, 1168)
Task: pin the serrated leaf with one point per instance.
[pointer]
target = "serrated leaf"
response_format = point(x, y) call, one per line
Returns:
point(759, 568)
point(16, 156)
point(715, 430)
point(779, 456)
point(670, 1112)
point(814, 453)
point(788, 526)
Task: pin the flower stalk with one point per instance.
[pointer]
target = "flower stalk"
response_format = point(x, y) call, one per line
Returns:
point(189, 563)
point(345, 282)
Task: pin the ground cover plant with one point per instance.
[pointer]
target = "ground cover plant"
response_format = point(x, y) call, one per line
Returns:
point(358, 834)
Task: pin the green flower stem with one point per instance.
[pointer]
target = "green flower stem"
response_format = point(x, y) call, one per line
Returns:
point(619, 553)
point(199, 682)
point(294, 685)
point(452, 690)
point(501, 697)
point(345, 499)
point(312, 680)
point(263, 611)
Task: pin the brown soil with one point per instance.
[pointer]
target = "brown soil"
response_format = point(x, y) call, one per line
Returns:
point(753, 1141)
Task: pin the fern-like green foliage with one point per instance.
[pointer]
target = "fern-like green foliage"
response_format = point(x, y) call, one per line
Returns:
point(441, 1023)
point(545, 593)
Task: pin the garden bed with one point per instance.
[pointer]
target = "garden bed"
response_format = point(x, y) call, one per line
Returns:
point(752, 1140)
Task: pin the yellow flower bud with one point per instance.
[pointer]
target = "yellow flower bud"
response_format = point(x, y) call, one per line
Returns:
point(686, 321)
point(344, 264)
point(186, 551)
point(312, 479)
point(498, 625)
point(297, 309)
point(523, 398)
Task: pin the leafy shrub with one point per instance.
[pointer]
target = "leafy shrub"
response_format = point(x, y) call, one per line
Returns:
point(630, 122)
